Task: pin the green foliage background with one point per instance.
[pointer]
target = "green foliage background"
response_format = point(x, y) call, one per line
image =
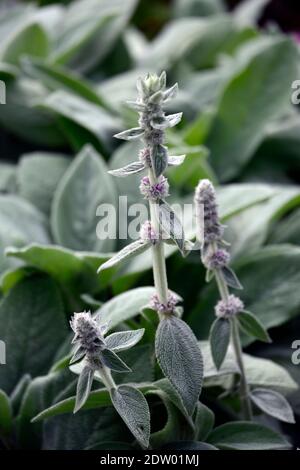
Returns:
point(68, 71)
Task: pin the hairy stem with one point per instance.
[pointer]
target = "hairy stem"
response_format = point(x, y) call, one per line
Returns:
point(158, 256)
point(107, 378)
point(236, 342)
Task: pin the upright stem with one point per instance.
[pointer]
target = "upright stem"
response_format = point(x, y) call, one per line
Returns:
point(107, 378)
point(236, 342)
point(159, 263)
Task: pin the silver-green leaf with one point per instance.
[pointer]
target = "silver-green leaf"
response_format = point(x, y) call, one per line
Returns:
point(123, 339)
point(113, 362)
point(130, 134)
point(84, 386)
point(133, 408)
point(135, 248)
point(180, 359)
point(131, 169)
point(273, 403)
point(219, 340)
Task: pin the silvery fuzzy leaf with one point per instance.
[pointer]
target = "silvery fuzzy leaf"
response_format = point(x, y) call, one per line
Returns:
point(78, 354)
point(136, 106)
point(156, 98)
point(180, 359)
point(84, 386)
point(159, 159)
point(219, 340)
point(252, 326)
point(171, 224)
point(131, 169)
point(159, 122)
point(162, 80)
point(133, 408)
point(273, 403)
point(170, 93)
point(135, 248)
point(113, 362)
point(176, 160)
point(123, 339)
point(141, 87)
point(163, 122)
point(130, 134)
point(230, 278)
point(173, 119)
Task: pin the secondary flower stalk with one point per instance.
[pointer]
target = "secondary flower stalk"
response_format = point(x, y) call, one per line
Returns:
point(229, 310)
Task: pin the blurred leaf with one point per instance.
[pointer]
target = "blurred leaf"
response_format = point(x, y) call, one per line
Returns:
point(287, 230)
point(245, 436)
point(36, 304)
point(58, 78)
point(198, 40)
point(255, 95)
point(260, 372)
point(73, 270)
point(20, 224)
point(7, 178)
point(245, 237)
point(24, 119)
point(197, 7)
point(90, 29)
point(85, 430)
point(75, 203)
point(41, 393)
point(125, 306)
point(6, 418)
point(91, 117)
point(249, 12)
point(38, 176)
point(32, 41)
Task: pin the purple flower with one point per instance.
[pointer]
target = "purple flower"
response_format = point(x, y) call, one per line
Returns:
point(156, 191)
point(217, 260)
point(167, 308)
point(88, 334)
point(230, 307)
point(207, 213)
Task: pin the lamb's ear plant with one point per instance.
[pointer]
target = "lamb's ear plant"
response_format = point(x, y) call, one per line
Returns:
point(232, 318)
point(176, 347)
point(99, 356)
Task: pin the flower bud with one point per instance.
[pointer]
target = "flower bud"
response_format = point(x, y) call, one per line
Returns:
point(88, 334)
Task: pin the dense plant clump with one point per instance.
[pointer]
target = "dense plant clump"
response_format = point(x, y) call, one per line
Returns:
point(110, 340)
